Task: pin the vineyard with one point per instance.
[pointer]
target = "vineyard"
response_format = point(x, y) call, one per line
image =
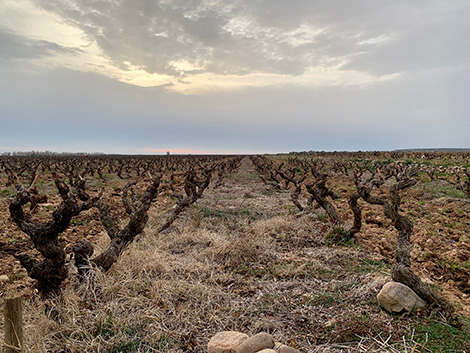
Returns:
point(159, 253)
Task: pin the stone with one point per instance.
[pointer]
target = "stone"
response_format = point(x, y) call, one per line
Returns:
point(267, 350)
point(4, 278)
point(256, 343)
point(288, 349)
point(226, 342)
point(277, 345)
point(282, 348)
point(396, 298)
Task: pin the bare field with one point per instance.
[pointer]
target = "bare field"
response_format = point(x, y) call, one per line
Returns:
point(243, 258)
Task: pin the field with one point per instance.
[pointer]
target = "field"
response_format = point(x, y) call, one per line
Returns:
point(243, 257)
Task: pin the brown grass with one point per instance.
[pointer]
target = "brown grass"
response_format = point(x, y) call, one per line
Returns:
point(233, 262)
point(173, 292)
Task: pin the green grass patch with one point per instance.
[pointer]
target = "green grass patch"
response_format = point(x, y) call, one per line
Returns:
point(104, 328)
point(286, 270)
point(325, 299)
point(443, 189)
point(245, 212)
point(78, 222)
point(368, 265)
point(165, 343)
point(338, 236)
point(127, 346)
point(17, 239)
point(16, 276)
point(437, 336)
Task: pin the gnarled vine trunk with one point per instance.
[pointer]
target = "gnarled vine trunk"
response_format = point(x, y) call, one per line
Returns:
point(51, 271)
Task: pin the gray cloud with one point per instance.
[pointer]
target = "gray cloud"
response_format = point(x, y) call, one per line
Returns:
point(422, 38)
point(244, 36)
point(16, 47)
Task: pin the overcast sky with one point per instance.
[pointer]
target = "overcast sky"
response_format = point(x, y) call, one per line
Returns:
point(233, 76)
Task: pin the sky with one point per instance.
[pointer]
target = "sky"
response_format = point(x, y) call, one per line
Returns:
point(233, 76)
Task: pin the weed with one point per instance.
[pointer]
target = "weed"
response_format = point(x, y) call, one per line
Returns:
point(245, 211)
point(205, 210)
point(325, 299)
point(105, 328)
point(437, 336)
point(439, 190)
point(127, 346)
point(465, 264)
point(450, 225)
point(338, 236)
point(434, 287)
point(164, 343)
point(17, 276)
point(17, 240)
point(312, 270)
point(370, 266)
point(130, 342)
point(76, 222)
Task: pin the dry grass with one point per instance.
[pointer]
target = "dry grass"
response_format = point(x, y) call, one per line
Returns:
point(173, 292)
point(233, 262)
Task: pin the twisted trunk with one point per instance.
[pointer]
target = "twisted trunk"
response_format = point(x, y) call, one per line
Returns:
point(51, 271)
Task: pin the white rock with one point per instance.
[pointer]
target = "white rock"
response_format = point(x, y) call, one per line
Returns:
point(4, 278)
point(396, 297)
point(226, 342)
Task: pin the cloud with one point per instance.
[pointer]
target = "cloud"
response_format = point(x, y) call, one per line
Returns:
point(219, 37)
point(271, 75)
point(17, 47)
point(207, 45)
point(423, 38)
